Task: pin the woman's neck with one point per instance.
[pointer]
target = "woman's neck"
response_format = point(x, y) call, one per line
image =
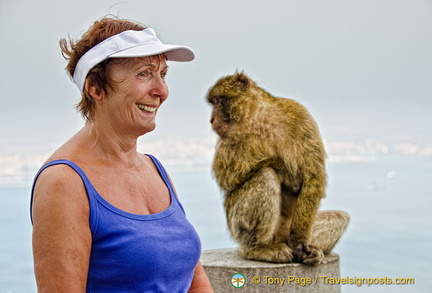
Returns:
point(109, 144)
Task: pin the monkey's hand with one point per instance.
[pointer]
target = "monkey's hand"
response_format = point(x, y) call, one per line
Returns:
point(308, 254)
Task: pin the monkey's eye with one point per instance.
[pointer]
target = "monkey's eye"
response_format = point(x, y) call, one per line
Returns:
point(215, 100)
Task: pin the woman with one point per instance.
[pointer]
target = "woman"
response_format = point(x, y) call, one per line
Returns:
point(105, 217)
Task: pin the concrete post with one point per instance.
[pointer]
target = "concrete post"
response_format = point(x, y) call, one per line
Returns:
point(223, 265)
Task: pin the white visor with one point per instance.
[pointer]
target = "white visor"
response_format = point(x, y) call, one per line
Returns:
point(129, 43)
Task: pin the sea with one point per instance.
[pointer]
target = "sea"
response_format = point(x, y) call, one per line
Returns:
point(389, 199)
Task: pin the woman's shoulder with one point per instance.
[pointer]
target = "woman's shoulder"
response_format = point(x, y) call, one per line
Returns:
point(73, 150)
point(60, 170)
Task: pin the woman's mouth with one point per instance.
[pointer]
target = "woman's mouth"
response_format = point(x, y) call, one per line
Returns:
point(145, 108)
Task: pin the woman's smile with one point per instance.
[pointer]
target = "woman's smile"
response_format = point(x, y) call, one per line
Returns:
point(146, 108)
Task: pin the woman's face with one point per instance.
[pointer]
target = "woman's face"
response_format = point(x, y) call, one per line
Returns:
point(138, 90)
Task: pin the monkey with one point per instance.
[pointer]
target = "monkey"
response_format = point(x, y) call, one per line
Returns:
point(270, 163)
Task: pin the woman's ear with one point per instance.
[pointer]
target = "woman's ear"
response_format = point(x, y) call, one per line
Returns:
point(93, 90)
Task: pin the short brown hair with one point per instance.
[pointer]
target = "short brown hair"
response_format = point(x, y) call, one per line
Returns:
point(73, 50)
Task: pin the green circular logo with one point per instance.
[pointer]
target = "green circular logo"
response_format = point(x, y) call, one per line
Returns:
point(238, 280)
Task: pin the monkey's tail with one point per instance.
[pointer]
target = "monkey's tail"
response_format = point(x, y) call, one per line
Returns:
point(328, 229)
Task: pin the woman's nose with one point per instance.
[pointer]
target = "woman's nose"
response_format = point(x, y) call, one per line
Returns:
point(159, 88)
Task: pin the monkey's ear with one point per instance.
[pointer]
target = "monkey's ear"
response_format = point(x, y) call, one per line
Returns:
point(243, 79)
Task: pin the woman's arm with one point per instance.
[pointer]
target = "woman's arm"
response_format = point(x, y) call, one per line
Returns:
point(200, 282)
point(61, 232)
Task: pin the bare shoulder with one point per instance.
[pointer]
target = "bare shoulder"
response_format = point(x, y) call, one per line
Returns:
point(59, 186)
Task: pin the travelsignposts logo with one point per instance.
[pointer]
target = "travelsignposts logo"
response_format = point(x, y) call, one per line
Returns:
point(238, 280)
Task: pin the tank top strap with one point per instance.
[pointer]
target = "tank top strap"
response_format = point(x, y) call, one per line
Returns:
point(167, 181)
point(91, 191)
point(162, 172)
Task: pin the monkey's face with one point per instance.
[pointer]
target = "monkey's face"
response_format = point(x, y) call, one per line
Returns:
point(220, 117)
point(226, 98)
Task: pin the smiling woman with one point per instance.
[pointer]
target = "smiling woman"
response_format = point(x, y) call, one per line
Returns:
point(136, 90)
point(105, 217)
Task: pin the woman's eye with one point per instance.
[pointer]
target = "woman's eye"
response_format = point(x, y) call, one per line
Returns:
point(145, 73)
point(163, 75)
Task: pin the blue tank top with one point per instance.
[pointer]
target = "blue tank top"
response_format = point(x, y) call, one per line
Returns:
point(138, 253)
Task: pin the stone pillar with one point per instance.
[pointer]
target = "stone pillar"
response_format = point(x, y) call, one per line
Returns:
point(223, 265)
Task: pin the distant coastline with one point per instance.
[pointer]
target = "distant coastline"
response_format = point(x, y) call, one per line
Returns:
point(20, 164)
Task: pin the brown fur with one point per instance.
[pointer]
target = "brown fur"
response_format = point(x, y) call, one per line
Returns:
point(270, 162)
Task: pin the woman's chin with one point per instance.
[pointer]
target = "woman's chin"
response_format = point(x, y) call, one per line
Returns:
point(147, 128)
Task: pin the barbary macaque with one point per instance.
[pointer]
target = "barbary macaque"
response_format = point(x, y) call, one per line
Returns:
point(270, 164)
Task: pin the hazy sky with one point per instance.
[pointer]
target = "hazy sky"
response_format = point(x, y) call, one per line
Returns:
point(363, 68)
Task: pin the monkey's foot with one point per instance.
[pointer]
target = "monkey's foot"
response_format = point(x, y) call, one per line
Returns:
point(278, 253)
point(308, 254)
